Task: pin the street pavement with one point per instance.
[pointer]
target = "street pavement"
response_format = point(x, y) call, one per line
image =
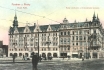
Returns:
point(72, 64)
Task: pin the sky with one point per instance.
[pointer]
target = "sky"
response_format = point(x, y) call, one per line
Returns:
point(46, 12)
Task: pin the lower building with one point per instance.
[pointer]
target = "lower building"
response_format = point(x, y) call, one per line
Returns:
point(3, 50)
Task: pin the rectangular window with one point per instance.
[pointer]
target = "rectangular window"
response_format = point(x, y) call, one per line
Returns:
point(80, 32)
point(61, 48)
point(68, 40)
point(76, 43)
point(80, 37)
point(68, 33)
point(56, 44)
point(73, 44)
point(73, 32)
point(64, 41)
point(84, 38)
point(64, 33)
point(31, 44)
point(94, 31)
point(61, 33)
point(76, 37)
point(80, 43)
point(73, 37)
point(56, 34)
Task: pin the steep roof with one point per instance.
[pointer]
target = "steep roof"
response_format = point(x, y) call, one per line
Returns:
point(44, 27)
point(21, 29)
point(11, 30)
point(32, 28)
point(55, 27)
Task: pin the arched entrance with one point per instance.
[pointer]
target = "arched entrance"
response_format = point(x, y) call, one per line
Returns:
point(94, 55)
point(49, 54)
point(54, 54)
point(26, 54)
point(15, 54)
point(20, 54)
point(11, 54)
point(43, 55)
point(80, 53)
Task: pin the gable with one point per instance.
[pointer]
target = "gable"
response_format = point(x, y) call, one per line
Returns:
point(49, 28)
point(27, 30)
point(37, 28)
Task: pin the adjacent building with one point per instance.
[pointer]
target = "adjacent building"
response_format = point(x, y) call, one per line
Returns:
point(58, 40)
point(3, 50)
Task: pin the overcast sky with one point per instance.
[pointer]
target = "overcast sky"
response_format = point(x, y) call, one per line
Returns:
point(46, 12)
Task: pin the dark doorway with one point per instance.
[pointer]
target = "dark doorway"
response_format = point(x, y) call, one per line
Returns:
point(20, 54)
point(74, 55)
point(54, 54)
point(11, 54)
point(80, 56)
point(63, 55)
point(49, 54)
point(43, 55)
point(15, 54)
point(26, 54)
point(94, 55)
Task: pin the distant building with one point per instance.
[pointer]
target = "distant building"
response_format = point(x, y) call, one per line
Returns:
point(3, 50)
point(58, 40)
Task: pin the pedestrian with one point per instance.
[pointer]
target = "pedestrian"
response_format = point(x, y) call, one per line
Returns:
point(23, 57)
point(34, 61)
point(13, 58)
point(40, 58)
point(82, 58)
point(63, 57)
point(68, 57)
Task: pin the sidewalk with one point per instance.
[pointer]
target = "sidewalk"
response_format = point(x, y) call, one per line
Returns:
point(54, 59)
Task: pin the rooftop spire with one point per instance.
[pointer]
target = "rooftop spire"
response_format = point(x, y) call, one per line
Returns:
point(15, 21)
point(86, 19)
point(97, 17)
point(94, 17)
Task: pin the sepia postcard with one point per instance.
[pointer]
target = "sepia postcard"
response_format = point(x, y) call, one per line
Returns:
point(51, 35)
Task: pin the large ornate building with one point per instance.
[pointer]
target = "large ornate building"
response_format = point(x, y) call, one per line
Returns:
point(58, 40)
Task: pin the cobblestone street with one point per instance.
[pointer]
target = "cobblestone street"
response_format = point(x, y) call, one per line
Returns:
point(56, 65)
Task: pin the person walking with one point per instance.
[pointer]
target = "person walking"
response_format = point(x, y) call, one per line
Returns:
point(68, 57)
point(13, 58)
point(34, 61)
point(82, 58)
point(23, 57)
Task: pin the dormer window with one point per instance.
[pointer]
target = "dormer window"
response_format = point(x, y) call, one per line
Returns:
point(49, 29)
point(64, 26)
point(37, 29)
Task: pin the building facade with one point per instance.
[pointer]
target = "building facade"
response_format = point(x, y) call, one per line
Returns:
point(58, 40)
